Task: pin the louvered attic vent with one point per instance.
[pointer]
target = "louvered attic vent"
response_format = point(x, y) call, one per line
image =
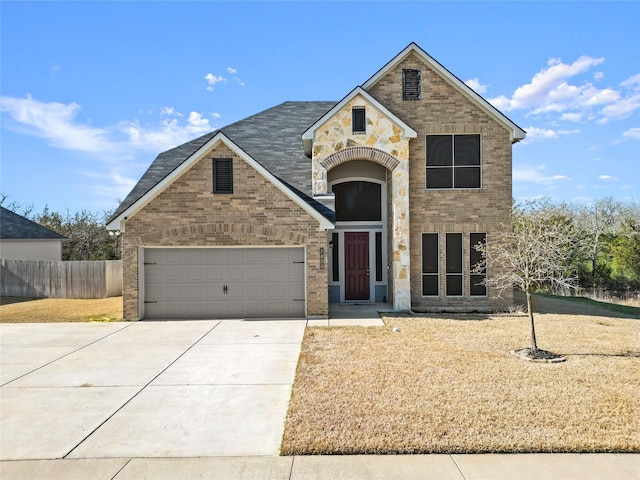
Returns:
point(222, 175)
point(358, 119)
point(410, 84)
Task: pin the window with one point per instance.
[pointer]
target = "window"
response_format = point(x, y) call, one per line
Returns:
point(410, 84)
point(430, 264)
point(476, 288)
point(453, 161)
point(378, 256)
point(222, 175)
point(454, 264)
point(358, 120)
point(358, 201)
point(335, 257)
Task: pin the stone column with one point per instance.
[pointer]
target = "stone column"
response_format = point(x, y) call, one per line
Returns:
point(400, 238)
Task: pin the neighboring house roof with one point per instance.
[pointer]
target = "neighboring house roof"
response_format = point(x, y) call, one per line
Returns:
point(17, 227)
point(271, 138)
point(516, 133)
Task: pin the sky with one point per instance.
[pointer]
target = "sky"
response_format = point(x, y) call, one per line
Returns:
point(91, 92)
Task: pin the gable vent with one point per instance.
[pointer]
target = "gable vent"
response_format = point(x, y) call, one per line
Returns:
point(358, 119)
point(410, 84)
point(222, 175)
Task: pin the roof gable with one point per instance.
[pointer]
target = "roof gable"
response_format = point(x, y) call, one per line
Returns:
point(116, 222)
point(308, 135)
point(17, 227)
point(515, 132)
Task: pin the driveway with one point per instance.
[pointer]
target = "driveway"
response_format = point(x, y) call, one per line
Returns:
point(146, 389)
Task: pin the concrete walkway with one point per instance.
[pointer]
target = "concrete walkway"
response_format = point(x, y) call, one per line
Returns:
point(200, 399)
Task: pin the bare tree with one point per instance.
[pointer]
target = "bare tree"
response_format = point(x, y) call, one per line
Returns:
point(596, 220)
point(15, 206)
point(530, 253)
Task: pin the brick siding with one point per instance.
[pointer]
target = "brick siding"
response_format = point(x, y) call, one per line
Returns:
point(187, 213)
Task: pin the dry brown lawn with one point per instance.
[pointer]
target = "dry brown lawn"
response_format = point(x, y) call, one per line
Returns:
point(443, 385)
point(60, 310)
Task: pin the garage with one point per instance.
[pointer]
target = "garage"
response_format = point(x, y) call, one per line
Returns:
point(198, 283)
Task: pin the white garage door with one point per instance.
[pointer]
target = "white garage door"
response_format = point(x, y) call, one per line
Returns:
point(181, 283)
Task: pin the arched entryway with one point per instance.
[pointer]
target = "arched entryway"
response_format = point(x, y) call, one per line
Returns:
point(359, 243)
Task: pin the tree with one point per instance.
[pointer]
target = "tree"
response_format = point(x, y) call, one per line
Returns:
point(88, 239)
point(15, 206)
point(599, 221)
point(531, 253)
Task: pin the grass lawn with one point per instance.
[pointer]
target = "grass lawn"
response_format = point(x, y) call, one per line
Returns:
point(443, 385)
point(14, 310)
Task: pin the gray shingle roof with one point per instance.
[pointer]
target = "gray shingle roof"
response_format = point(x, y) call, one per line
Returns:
point(17, 227)
point(273, 138)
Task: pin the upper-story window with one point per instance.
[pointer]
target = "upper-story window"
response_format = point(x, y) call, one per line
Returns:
point(411, 89)
point(358, 119)
point(453, 161)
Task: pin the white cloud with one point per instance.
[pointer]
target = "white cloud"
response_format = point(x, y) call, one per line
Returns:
point(536, 93)
point(58, 123)
point(55, 122)
point(474, 83)
point(215, 115)
point(232, 70)
point(536, 134)
point(535, 175)
point(632, 133)
point(632, 82)
point(571, 117)
point(606, 177)
point(212, 80)
point(620, 109)
point(598, 75)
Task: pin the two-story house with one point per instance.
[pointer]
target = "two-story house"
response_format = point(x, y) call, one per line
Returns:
point(378, 197)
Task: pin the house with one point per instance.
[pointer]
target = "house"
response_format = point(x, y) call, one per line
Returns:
point(22, 239)
point(378, 197)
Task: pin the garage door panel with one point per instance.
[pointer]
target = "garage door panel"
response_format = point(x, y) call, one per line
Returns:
point(213, 274)
point(190, 283)
point(194, 273)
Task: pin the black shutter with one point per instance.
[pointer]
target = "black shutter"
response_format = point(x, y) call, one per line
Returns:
point(410, 84)
point(222, 175)
point(358, 119)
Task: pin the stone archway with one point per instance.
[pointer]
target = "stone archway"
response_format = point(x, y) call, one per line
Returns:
point(360, 153)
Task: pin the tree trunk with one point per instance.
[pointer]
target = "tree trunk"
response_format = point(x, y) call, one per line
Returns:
point(534, 344)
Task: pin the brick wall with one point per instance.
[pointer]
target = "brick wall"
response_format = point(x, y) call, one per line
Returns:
point(443, 110)
point(187, 213)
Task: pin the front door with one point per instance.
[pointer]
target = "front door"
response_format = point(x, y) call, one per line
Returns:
point(356, 266)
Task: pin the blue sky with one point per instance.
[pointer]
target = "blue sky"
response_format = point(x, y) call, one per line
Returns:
point(91, 92)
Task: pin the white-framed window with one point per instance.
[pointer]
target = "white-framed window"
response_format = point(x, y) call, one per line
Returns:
point(453, 161)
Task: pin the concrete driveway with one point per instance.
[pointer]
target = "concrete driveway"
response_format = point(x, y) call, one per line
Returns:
point(145, 389)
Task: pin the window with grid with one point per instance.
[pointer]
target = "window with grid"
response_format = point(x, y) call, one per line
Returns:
point(222, 175)
point(430, 286)
point(453, 161)
point(476, 286)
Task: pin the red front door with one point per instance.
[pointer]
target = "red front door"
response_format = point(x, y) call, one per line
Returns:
point(356, 262)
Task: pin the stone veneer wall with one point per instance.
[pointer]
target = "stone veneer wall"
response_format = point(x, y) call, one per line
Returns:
point(444, 110)
point(382, 134)
point(187, 213)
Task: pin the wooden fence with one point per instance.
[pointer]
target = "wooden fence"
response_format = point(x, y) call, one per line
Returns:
point(47, 279)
